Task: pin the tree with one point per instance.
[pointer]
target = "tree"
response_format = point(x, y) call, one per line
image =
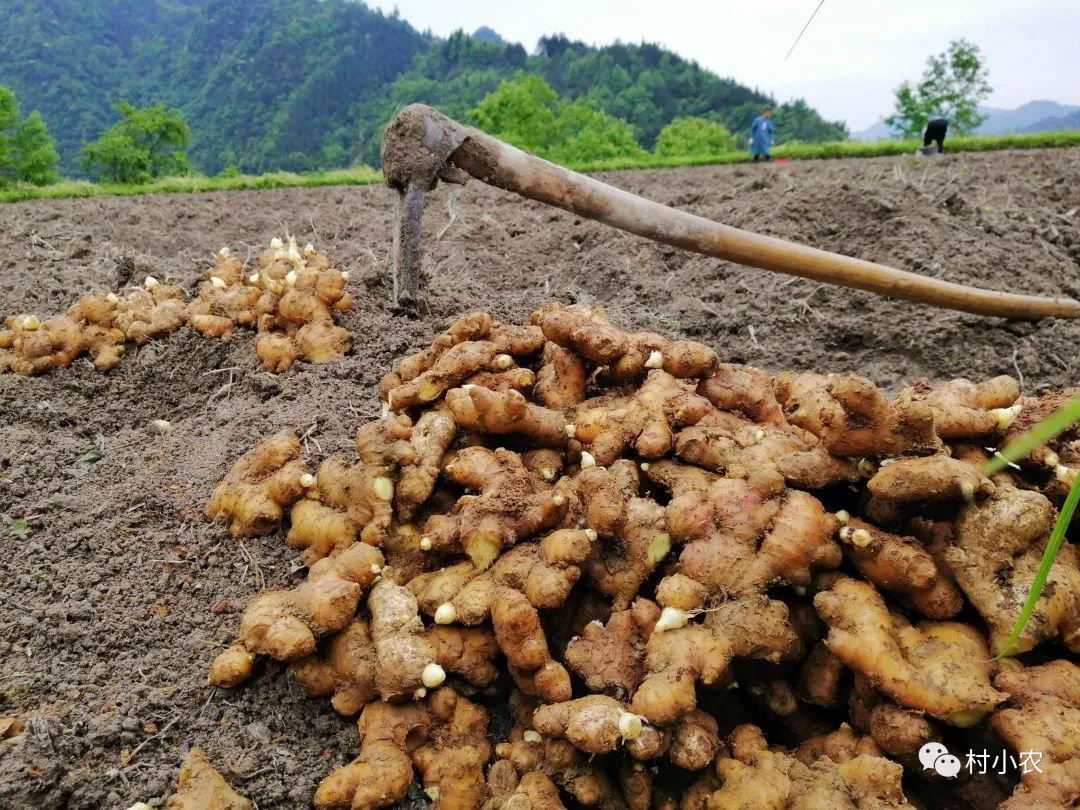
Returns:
point(27, 153)
point(522, 111)
point(527, 113)
point(690, 137)
point(9, 113)
point(33, 152)
point(145, 144)
point(585, 134)
point(953, 85)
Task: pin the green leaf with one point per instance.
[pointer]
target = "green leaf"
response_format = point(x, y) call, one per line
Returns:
point(1057, 536)
point(91, 456)
point(1053, 425)
point(19, 529)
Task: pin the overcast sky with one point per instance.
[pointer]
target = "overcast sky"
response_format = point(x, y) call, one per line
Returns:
point(848, 62)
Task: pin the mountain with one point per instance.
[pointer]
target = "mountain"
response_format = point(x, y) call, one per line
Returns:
point(878, 131)
point(263, 84)
point(1035, 116)
point(1055, 124)
point(486, 34)
point(306, 84)
point(1002, 122)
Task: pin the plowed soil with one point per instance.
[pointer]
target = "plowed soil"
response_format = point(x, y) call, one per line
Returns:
point(117, 598)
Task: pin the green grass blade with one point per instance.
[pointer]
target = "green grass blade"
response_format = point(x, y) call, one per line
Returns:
point(1057, 536)
point(1056, 423)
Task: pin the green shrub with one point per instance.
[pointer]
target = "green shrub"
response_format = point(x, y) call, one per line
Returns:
point(527, 113)
point(143, 145)
point(693, 137)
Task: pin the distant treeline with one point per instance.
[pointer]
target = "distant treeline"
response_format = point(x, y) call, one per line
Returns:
point(304, 85)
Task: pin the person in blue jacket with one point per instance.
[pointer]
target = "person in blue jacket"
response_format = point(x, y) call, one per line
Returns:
point(761, 136)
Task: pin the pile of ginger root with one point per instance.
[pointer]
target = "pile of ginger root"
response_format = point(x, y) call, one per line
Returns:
point(574, 566)
point(289, 296)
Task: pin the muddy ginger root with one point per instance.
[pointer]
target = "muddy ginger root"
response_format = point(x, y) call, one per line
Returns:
point(695, 741)
point(431, 436)
point(1042, 717)
point(285, 624)
point(522, 640)
point(102, 340)
point(853, 418)
point(908, 482)
point(28, 346)
point(680, 653)
point(533, 791)
point(588, 332)
point(941, 668)
point(611, 658)
point(512, 505)
point(528, 752)
point(465, 651)
point(767, 456)
point(560, 380)
point(345, 670)
point(153, 311)
point(739, 539)
point(344, 503)
point(302, 293)
point(473, 326)
point(319, 522)
point(452, 368)
point(506, 412)
point(841, 746)
point(200, 787)
point(382, 773)
point(405, 660)
point(451, 764)
point(902, 566)
point(756, 776)
point(224, 299)
point(544, 572)
point(34, 347)
point(963, 409)
point(743, 390)
point(994, 556)
point(820, 676)
point(595, 724)
point(1034, 410)
point(645, 421)
point(634, 537)
point(259, 486)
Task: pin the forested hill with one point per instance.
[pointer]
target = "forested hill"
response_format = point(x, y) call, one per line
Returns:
point(305, 84)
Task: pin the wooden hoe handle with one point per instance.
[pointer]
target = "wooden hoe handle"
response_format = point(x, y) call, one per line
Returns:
point(422, 146)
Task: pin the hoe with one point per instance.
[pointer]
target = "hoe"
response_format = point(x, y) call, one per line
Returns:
point(421, 146)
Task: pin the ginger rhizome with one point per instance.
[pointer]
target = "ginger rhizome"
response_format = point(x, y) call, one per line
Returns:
point(1042, 715)
point(254, 494)
point(285, 624)
point(289, 296)
point(633, 549)
point(200, 787)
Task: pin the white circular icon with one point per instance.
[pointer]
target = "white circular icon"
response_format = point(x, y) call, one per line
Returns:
point(935, 756)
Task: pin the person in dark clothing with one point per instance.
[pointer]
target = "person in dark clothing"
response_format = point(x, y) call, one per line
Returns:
point(935, 132)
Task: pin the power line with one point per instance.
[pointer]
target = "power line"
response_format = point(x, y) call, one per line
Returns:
point(796, 42)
